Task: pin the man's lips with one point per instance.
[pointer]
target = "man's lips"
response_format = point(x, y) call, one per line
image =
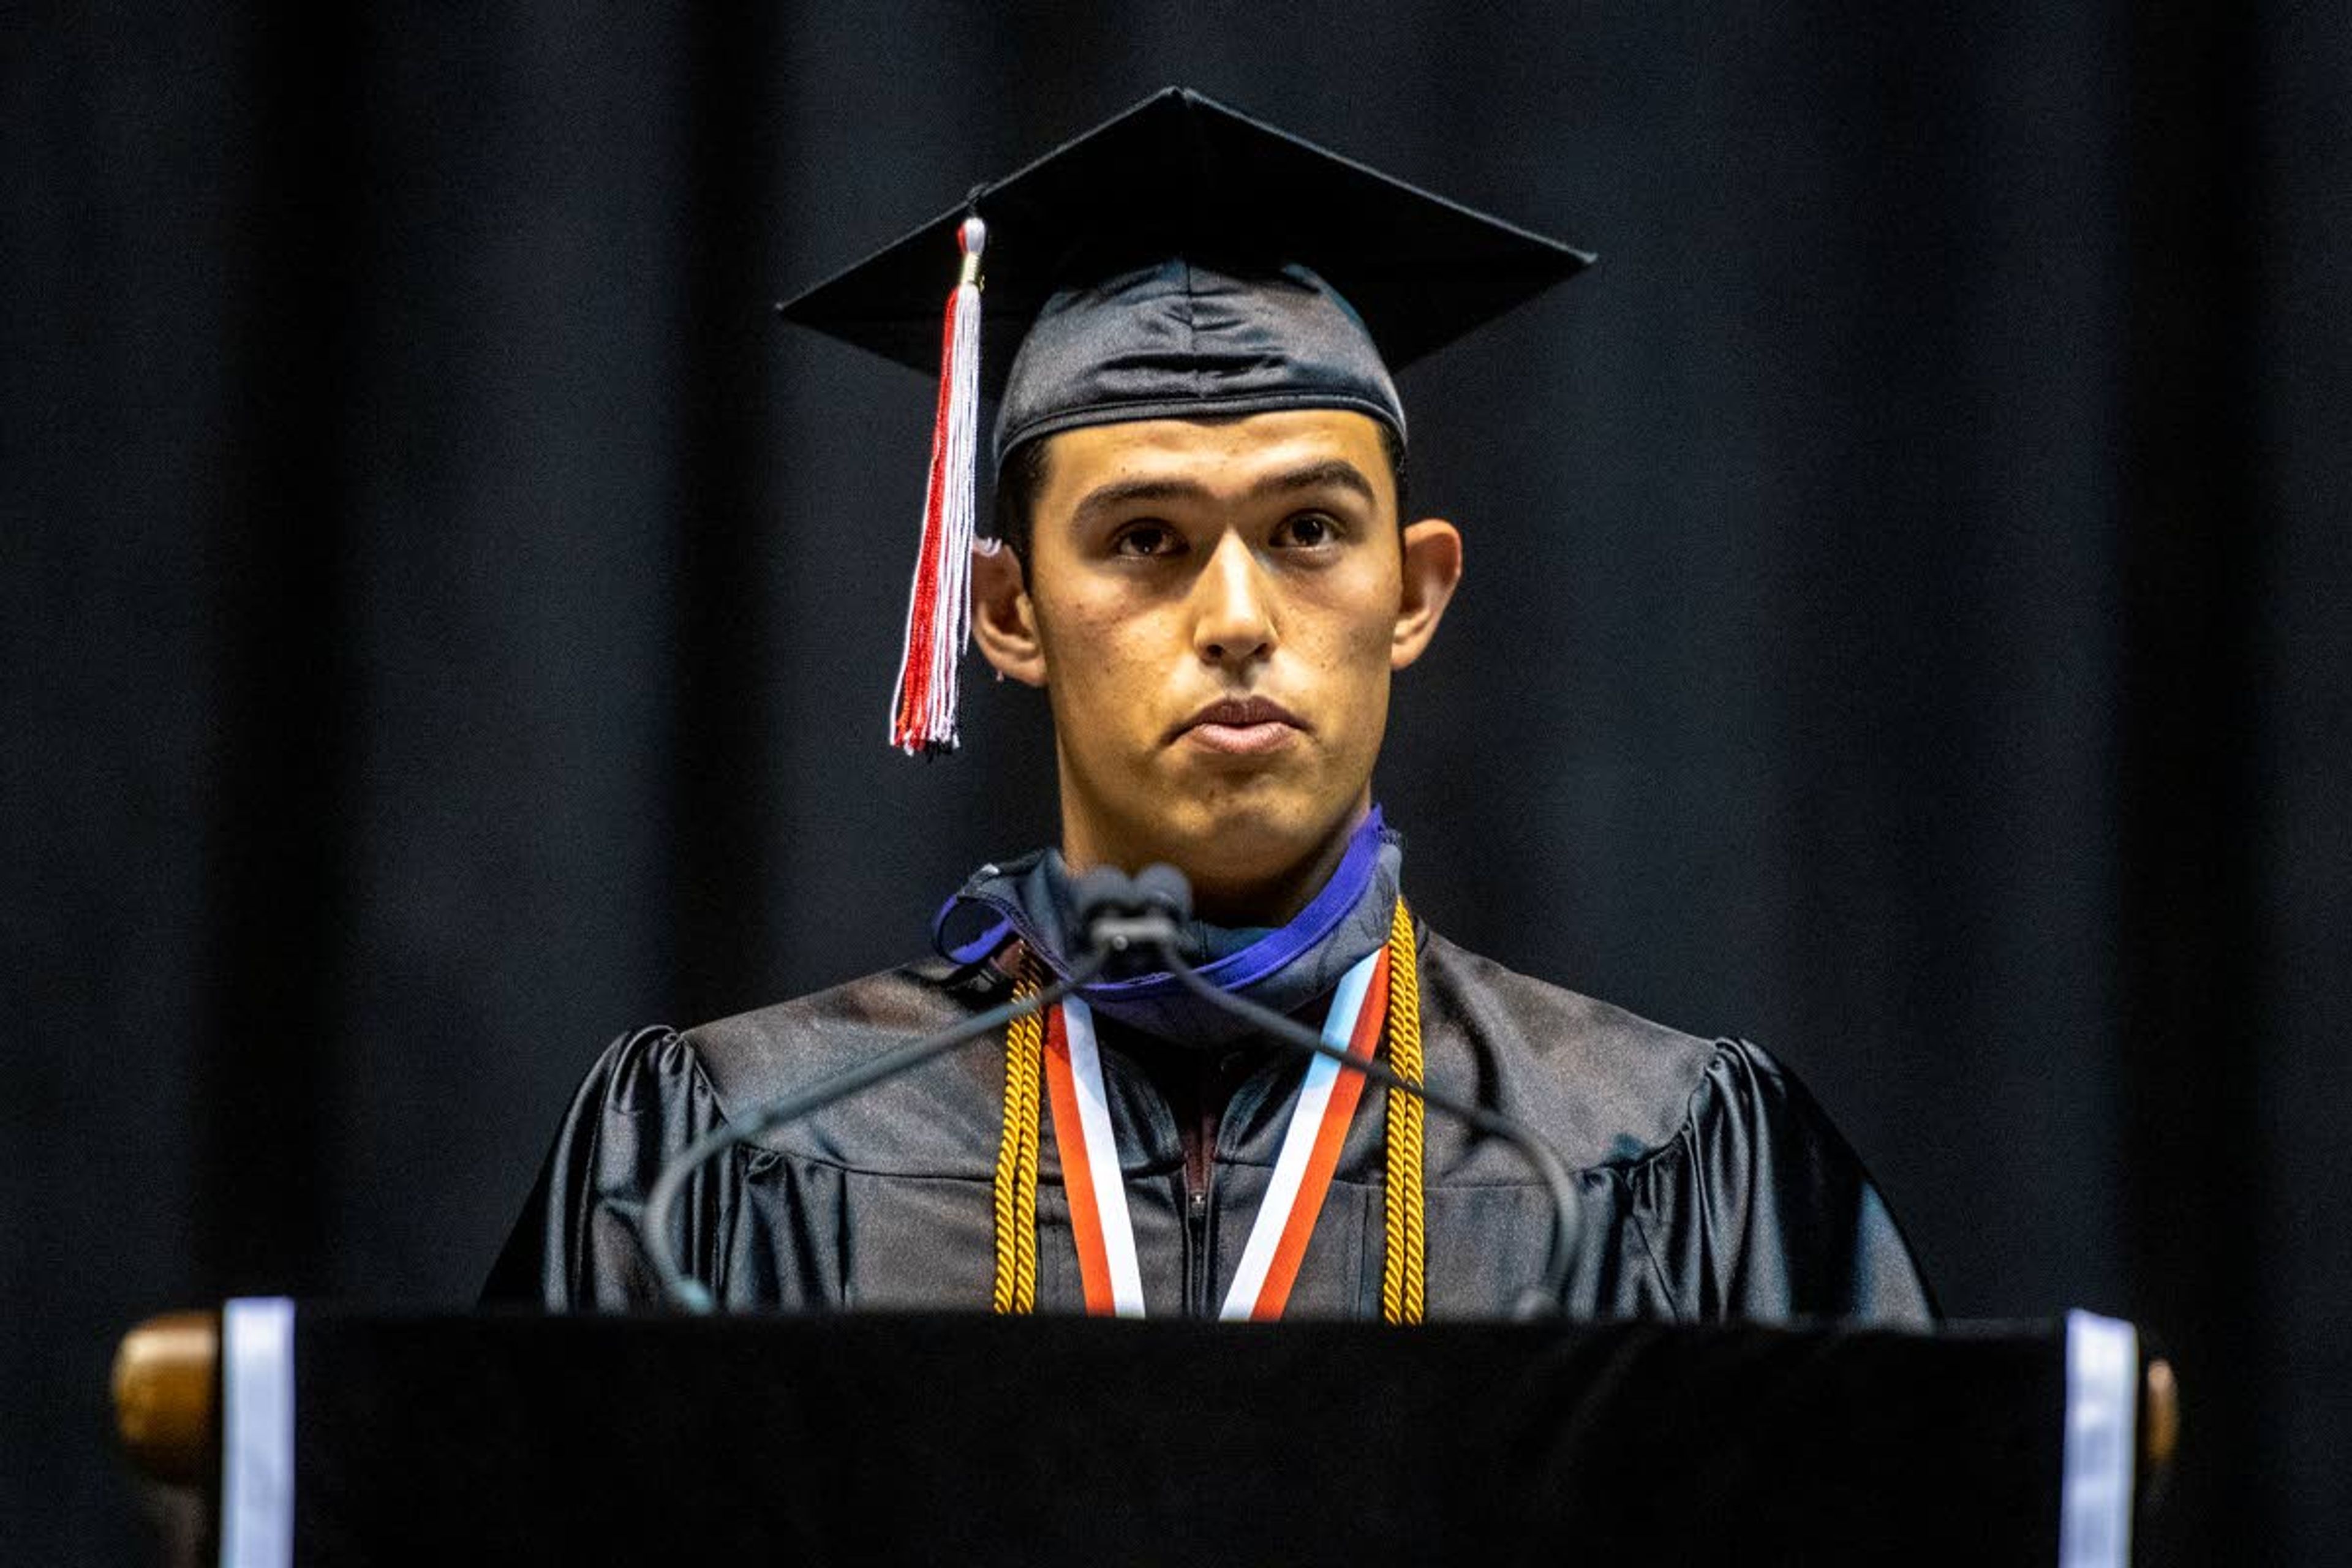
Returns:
point(1242, 726)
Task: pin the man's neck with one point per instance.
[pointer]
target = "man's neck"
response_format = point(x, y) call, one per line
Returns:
point(1267, 898)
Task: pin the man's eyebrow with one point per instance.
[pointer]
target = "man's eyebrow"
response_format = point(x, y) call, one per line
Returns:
point(1330, 473)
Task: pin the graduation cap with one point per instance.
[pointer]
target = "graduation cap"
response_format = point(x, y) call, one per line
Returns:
point(1179, 260)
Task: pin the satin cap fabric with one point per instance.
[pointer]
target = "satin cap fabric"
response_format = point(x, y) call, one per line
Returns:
point(1183, 259)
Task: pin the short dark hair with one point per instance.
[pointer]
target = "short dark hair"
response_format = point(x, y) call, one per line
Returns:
point(1022, 474)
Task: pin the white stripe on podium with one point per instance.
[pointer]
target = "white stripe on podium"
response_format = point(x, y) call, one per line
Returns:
point(257, 1524)
point(2095, 1489)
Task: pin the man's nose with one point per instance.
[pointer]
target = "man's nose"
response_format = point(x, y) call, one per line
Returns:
point(1233, 620)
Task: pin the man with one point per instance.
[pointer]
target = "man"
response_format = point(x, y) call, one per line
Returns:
point(1209, 571)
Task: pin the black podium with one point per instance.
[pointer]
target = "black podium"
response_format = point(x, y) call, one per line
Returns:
point(518, 1439)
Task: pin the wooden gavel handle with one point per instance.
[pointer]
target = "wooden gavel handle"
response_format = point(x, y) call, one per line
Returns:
point(167, 1399)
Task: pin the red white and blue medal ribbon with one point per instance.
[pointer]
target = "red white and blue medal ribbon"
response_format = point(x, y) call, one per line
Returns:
point(1087, 1149)
point(1090, 1173)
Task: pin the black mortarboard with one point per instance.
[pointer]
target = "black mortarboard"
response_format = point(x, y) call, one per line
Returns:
point(1180, 259)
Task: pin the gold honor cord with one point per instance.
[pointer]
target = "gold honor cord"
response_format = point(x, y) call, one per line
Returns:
point(1403, 1259)
point(1016, 1159)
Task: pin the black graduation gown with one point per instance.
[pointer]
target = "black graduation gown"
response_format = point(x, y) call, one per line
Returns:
point(1712, 1185)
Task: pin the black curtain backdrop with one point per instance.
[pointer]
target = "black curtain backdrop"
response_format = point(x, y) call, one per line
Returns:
point(447, 622)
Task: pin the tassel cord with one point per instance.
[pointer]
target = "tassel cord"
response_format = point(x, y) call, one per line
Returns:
point(923, 705)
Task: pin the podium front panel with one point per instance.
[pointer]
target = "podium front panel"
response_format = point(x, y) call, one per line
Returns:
point(1048, 1441)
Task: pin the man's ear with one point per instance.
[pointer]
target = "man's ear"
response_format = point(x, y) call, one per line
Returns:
point(1433, 566)
point(1003, 622)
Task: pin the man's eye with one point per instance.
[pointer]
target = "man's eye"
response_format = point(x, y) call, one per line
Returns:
point(1307, 530)
point(1145, 539)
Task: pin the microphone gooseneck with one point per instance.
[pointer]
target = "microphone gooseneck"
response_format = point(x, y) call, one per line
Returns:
point(687, 1294)
point(1116, 914)
point(1543, 1300)
point(1148, 910)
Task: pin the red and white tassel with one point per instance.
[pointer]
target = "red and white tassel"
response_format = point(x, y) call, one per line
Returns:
point(939, 609)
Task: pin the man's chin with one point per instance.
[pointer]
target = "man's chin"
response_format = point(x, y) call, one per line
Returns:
point(1230, 850)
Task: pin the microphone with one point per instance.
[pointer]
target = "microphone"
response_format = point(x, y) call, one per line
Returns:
point(1147, 910)
point(1116, 913)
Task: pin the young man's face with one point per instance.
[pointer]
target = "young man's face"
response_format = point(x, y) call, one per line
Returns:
point(1215, 609)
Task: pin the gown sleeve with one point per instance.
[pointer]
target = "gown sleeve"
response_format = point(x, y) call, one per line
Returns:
point(576, 1247)
point(1763, 1212)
